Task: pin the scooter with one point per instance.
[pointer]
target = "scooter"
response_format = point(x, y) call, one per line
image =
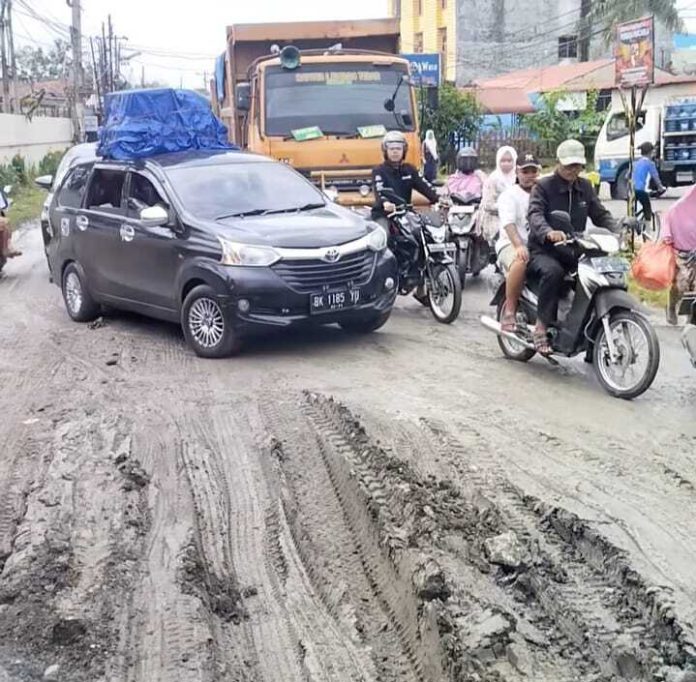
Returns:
point(474, 252)
point(596, 317)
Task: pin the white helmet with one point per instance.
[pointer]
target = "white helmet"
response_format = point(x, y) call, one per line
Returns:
point(394, 137)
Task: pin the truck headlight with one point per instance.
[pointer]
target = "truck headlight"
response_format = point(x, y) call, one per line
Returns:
point(249, 255)
point(377, 239)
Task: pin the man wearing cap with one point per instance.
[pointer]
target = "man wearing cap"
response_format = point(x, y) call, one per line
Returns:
point(565, 191)
point(511, 247)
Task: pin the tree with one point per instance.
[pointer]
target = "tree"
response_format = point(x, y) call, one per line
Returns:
point(457, 117)
point(552, 125)
point(605, 14)
point(37, 64)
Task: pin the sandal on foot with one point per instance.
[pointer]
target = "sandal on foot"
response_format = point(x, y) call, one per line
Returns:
point(541, 343)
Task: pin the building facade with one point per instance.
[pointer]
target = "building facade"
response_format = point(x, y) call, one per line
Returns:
point(484, 38)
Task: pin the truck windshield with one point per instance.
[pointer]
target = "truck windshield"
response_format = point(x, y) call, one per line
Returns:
point(338, 98)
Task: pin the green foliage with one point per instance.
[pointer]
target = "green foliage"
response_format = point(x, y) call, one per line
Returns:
point(608, 13)
point(458, 116)
point(49, 164)
point(37, 64)
point(550, 124)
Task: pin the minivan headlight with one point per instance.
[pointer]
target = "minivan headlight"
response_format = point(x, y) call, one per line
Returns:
point(249, 255)
point(377, 239)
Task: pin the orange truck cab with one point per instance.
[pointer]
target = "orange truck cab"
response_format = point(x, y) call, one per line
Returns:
point(319, 96)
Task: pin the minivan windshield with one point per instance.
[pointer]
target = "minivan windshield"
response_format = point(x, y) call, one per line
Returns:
point(240, 189)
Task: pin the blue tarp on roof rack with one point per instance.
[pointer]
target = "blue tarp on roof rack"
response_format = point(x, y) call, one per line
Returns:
point(140, 123)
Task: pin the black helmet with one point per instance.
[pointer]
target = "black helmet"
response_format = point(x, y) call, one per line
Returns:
point(394, 137)
point(467, 160)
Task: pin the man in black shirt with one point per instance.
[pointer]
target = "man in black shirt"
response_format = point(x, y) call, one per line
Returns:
point(401, 177)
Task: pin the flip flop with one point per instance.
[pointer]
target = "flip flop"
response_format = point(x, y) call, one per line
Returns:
point(508, 322)
point(541, 343)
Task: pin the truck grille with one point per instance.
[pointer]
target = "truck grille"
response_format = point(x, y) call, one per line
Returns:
point(308, 276)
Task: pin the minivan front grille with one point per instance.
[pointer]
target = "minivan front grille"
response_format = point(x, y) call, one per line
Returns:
point(308, 276)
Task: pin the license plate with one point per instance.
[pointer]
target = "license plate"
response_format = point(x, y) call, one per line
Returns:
point(685, 177)
point(608, 264)
point(330, 301)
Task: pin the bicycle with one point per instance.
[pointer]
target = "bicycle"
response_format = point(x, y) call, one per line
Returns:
point(649, 230)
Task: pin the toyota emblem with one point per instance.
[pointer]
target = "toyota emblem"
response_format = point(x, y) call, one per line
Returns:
point(332, 255)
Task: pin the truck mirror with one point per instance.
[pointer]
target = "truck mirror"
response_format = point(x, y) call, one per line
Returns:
point(244, 96)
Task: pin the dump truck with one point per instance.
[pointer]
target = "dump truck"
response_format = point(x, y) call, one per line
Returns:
point(319, 96)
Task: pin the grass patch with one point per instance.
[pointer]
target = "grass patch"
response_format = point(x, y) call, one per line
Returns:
point(27, 201)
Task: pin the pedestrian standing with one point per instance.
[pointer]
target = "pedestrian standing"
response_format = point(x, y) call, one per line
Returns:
point(430, 156)
point(502, 178)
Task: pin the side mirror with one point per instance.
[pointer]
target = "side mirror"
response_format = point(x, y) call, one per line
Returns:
point(560, 220)
point(154, 216)
point(243, 96)
point(7, 189)
point(389, 105)
point(45, 182)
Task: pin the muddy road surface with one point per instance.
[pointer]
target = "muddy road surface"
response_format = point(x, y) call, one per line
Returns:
point(404, 506)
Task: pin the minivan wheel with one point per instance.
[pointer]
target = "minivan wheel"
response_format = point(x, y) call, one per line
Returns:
point(78, 302)
point(206, 325)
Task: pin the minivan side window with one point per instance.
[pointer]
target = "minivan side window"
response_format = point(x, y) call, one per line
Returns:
point(105, 191)
point(72, 190)
point(618, 126)
point(142, 194)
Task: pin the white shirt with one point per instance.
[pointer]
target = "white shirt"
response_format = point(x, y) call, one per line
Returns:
point(513, 205)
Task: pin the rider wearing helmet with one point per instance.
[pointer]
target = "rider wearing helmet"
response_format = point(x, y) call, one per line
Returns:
point(395, 174)
point(468, 180)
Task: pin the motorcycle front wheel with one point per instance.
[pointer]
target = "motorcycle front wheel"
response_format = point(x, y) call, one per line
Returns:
point(632, 370)
point(444, 293)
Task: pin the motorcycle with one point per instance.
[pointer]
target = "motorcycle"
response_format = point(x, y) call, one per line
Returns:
point(687, 307)
point(5, 203)
point(596, 317)
point(425, 260)
point(474, 252)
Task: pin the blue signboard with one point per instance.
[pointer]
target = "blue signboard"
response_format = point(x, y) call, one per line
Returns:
point(425, 69)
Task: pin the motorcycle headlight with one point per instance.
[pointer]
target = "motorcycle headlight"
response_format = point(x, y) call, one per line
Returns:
point(377, 239)
point(437, 233)
point(249, 255)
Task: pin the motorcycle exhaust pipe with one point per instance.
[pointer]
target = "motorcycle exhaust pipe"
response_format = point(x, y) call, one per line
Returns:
point(494, 326)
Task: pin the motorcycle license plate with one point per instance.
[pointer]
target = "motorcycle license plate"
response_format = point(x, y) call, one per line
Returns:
point(608, 264)
point(331, 301)
point(442, 248)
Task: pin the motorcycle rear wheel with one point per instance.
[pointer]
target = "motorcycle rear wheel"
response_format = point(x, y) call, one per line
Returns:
point(510, 349)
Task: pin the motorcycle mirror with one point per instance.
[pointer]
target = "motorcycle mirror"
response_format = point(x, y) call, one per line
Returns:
point(560, 220)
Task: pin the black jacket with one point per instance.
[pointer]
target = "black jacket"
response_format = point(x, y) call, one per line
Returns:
point(402, 180)
point(579, 199)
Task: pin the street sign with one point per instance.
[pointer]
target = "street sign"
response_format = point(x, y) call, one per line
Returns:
point(635, 53)
point(91, 123)
point(425, 69)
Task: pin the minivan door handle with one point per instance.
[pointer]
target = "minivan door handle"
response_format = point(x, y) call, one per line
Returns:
point(127, 233)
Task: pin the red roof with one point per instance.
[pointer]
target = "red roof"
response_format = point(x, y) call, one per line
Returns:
point(502, 100)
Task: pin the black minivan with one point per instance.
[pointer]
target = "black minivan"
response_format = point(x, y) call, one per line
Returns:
point(222, 242)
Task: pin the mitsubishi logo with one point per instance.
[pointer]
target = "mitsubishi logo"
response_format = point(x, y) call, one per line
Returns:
point(344, 159)
point(331, 255)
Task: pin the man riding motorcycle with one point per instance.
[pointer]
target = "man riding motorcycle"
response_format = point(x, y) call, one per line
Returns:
point(565, 191)
point(402, 178)
point(468, 180)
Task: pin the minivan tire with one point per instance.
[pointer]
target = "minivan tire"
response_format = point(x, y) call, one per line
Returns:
point(365, 325)
point(78, 301)
point(207, 325)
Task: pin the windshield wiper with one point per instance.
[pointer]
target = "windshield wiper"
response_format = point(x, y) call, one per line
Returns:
point(294, 209)
point(243, 214)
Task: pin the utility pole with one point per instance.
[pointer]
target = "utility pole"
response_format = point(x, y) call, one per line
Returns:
point(3, 59)
point(110, 52)
point(14, 102)
point(77, 74)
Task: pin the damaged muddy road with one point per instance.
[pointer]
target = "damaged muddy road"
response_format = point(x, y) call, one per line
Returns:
point(406, 506)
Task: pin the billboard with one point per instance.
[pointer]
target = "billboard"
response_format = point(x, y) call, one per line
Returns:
point(635, 53)
point(425, 69)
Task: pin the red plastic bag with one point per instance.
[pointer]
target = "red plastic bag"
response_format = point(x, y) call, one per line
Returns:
point(655, 266)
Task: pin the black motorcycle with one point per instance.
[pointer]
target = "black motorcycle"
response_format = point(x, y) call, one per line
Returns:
point(597, 316)
point(474, 252)
point(425, 259)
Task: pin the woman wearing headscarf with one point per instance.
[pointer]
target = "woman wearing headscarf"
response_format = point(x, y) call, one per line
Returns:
point(430, 156)
point(499, 180)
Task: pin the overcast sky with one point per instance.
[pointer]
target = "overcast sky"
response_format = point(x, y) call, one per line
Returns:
point(195, 29)
point(159, 29)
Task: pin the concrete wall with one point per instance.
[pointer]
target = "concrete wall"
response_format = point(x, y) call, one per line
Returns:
point(32, 139)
